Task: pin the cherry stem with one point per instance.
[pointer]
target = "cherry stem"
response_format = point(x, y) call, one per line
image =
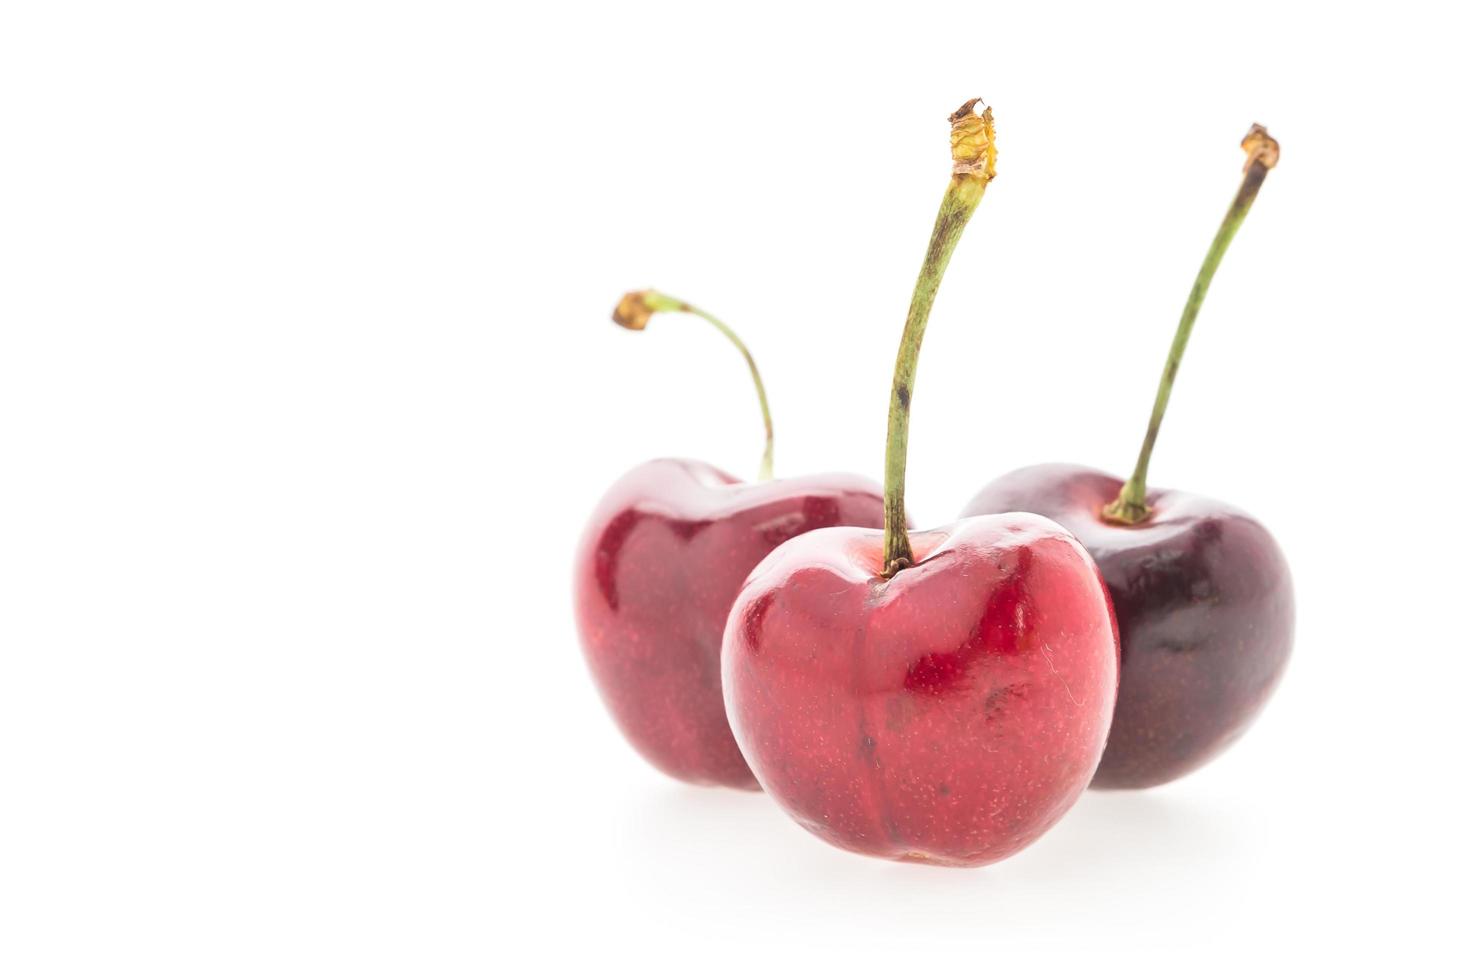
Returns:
point(972, 146)
point(1262, 152)
point(635, 309)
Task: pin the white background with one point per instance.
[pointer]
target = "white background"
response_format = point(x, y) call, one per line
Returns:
point(307, 386)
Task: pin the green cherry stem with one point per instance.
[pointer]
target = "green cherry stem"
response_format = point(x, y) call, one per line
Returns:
point(635, 309)
point(972, 145)
point(1262, 152)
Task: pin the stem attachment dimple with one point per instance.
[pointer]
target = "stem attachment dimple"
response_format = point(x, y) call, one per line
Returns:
point(636, 308)
point(1262, 152)
point(972, 147)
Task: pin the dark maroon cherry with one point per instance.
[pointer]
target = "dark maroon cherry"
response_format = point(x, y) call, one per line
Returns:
point(1201, 590)
point(1204, 606)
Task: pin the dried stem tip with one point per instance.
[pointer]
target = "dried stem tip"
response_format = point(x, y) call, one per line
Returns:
point(972, 141)
point(1260, 148)
point(635, 308)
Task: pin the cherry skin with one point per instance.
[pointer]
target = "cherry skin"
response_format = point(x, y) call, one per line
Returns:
point(1205, 615)
point(656, 572)
point(949, 714)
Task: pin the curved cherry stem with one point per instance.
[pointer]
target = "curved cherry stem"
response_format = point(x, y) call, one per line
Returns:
point(972, 145)
point(1262, 152)
point(635, 309)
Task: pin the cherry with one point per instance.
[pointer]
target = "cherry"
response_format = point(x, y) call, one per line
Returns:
point(659, 565)
point(1202, 592)
point(943, 697)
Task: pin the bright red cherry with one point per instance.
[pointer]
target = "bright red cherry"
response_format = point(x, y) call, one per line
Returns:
point(658, 567)
point(1202, 592)
point(943, 699)
point(949, 714)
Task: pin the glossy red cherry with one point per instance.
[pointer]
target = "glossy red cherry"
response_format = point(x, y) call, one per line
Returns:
point(1201, 590)
point(660, 563)
point(942, 698)
point(950, 714)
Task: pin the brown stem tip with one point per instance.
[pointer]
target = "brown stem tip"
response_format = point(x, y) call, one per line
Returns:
point(965, 110)
point(972, 141)
point(1260, 148)
point(633, 311)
